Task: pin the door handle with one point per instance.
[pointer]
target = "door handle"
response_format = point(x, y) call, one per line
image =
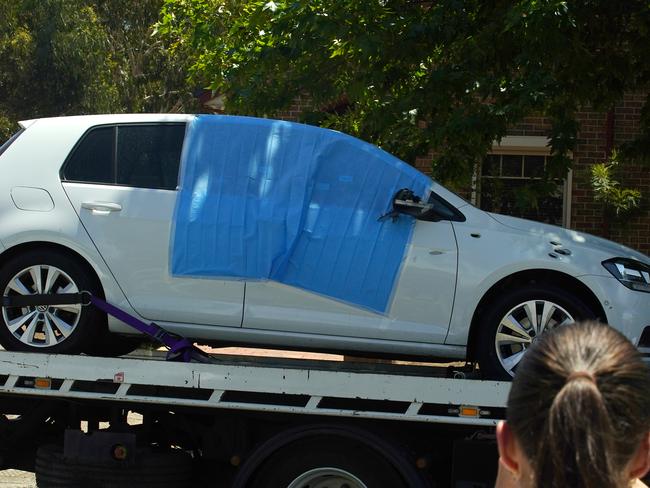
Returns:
point(102, 207)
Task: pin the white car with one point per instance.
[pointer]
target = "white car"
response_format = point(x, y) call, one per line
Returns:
point(94, 203)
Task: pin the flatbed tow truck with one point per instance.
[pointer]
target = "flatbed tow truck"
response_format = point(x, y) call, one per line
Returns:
point(246, 422)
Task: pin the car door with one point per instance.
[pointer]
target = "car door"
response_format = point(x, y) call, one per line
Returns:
point(420, 309)
point(122, 182)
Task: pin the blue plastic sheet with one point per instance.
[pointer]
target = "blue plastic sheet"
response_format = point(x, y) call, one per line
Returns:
point(272, 200)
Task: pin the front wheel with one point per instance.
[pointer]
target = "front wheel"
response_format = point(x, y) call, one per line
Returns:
point(516, 320)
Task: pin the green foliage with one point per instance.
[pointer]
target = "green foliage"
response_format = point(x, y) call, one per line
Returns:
point(62, 57)
point(54, 59)
point(6, 128)
point(617, 201)
point(449, 76)
point(145, 75)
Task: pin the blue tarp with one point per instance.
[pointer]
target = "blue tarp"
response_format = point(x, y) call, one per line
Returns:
point(272, 200)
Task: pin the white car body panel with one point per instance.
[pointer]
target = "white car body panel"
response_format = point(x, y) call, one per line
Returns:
point(35, 159)
point(134, 242)
point(502, 250)
point(625, 308)
point(421, 306)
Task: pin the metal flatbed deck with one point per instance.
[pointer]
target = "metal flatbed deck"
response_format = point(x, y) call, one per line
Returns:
point(331, 388)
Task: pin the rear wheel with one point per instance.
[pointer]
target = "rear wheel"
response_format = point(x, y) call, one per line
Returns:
point(515, 321)
point(52, 329)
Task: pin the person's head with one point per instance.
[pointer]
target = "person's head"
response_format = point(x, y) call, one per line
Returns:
point(578, 411)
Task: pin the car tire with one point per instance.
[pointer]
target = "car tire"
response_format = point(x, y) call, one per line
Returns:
point(514, 321)
point(55, 329)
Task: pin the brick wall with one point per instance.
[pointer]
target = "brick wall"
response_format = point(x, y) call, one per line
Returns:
point(636, 231)
point(300, 104)
point(591, 148)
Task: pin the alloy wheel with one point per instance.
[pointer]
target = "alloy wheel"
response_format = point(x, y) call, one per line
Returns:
point(327, 478)
point(522, 326)
point(41, 326)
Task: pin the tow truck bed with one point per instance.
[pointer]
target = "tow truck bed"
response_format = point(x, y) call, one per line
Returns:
point(257, 407)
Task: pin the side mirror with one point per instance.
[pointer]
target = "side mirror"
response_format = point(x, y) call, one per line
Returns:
point(406, 202)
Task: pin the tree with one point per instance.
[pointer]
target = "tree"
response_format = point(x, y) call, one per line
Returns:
point(64, 57)
point(53, 59)
point(416, 76)
point(147, 77)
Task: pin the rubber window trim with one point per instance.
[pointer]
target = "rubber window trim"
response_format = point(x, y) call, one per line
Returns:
point(10, 141)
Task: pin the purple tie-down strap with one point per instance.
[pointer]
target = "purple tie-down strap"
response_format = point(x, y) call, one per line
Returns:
point(180, 348)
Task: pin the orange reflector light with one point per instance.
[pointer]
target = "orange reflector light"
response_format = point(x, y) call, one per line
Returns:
point(469, 412)
point(120, 452)
point(43, 383)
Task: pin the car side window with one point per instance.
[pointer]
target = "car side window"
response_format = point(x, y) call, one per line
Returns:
point(92, 159)
point(139, 155)
point(148, 156)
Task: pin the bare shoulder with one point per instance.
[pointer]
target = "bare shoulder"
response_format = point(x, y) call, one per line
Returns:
point(639, 484)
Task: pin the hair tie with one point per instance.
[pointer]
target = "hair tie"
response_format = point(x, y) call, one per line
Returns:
point(575, 375)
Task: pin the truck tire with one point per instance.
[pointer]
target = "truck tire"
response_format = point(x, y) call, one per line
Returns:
point(517, 319)
point(326, 461)
point(169, 469)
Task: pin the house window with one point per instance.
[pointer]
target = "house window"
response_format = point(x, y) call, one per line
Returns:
point(510, 172)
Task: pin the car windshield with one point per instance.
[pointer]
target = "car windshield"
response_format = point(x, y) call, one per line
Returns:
point(6, 145)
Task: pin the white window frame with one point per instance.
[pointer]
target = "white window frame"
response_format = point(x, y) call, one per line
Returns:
point(527, 146)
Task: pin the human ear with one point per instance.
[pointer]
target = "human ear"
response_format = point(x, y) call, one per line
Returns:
point(640, 463)
point(508, 448)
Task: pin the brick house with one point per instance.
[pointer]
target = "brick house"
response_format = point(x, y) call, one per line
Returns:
point(521, 154)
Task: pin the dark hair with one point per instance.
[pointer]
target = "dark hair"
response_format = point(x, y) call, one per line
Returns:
point(580, 406)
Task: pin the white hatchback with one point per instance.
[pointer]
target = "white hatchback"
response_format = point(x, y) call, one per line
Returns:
point(95, 203)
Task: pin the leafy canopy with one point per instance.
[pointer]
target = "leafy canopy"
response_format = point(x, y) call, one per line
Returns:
point(63, 57)
point(415, 76)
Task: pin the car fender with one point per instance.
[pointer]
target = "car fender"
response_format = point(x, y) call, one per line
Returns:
point(489, 252)
point(86, 250)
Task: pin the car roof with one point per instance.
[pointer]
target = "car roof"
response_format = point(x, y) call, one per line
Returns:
point(91, 120)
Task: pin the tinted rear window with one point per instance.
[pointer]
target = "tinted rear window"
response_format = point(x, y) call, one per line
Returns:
point(148, 156)
point(92, 160)
point(141, 156)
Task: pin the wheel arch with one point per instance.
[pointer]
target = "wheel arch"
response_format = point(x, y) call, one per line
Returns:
point(18, 249)
point(531, 276)
point(391, 453)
